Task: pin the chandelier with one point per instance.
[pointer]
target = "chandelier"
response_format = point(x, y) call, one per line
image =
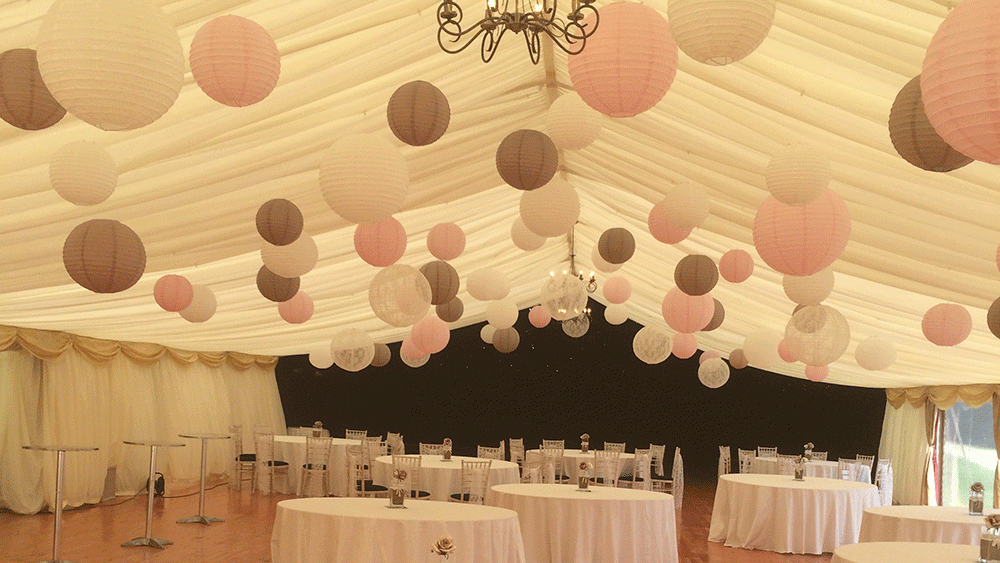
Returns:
point(533, 17)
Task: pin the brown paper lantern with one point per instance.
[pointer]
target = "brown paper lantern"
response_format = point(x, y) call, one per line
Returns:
point(443, 279)
point(235, 61)
point(717, 317)
point(279, 222)
point(25, 101)
point(738, 359)
point(616, 245)
point(104, 256)
point(505, 340)
point(382, 355)
point(451, 311)
point(913, 136)
point(696, 274)
point(527, 159)
point(275, 287)
point(418, 113)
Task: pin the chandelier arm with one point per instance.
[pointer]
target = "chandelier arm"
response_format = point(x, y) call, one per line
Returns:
point(489, 48)
point(534, 45)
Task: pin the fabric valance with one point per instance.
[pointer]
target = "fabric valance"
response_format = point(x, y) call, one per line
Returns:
point(942, 396)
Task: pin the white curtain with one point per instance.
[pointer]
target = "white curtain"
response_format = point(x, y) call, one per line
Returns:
point(904, 441)
point(71, 398)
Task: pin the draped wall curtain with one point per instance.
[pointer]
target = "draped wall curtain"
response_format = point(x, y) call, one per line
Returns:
point(61, 389)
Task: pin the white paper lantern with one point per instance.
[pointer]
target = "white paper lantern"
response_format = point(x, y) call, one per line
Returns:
point(487, 284)
point(501, 313)
point(577, 326)
point(564, 296)
point(616, 314)
point(486, 333)
point(399, 295)
point(83, 173)
point(685, 206)
point(651, 344)
point(552, 209)
point(602, 265)
point(760, 348)
point(875, 353)
point(321, 357)
point(292, 260)
point(523, 238)
point(571, 123)
point(798, 174)
point(352, 349)
point(364, 178)
point(817, 335)
point(713, 373)
point(808, 290)
point(115, 64)
point(414, 362)
point(719, 32)
point(202, 306)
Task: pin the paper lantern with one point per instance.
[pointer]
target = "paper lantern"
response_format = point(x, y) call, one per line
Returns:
point(523, 238)
point(506, 340)
point(381, 243)
point(551, 210)
point(443, 279)
point(993, 318)
point(685, 206)
point(298, 309)
point(446, 241)
point(717, 317)
point(875, 353)
point(784, 353)
point(83, 173)
point(798, 174)
point(947, 324)
point(292, 260)
point(708, 355)
point(173, 293)
point(684, 345)
point(564, 296)
point(736, 265)
point(661, 229)
point(352, 349)
point(382, 355)
point(617, 290)
point(651, 344)
point(486, 333)
point(104, 256)
point(451, 311)
point(279, 222)
point(817, 373)
point(321, 358)
point(800, 240)
point(577, 326)
point(539, 317)
point(738, 359)
point(913, 136)
point(418, 113)
point(696, 274)
point(808, 290)
point(960, 80)
point(399, 295)
point(527, 159)
point(760, 348)
point(115, 64)
point(616, 245)
point(414, 362)
point(501, 313)
point(713, 373)
point(25, 101)
point(430, 334)
point(687, 313)
point(487, 284)
point(363, 178)
point(616, 314)
point(275, 287)
point(719, 32)
point(408, 349)
point(235, 61)
point(629, 64)
point(202, 307)
point(571, 123)
point(817, 335)
point(602, 265)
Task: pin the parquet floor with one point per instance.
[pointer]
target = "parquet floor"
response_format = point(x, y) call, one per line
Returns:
point(94, 534)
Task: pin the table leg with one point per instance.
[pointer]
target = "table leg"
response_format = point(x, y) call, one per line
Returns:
point(201, 518)
point(57, 526)
point(148, 539)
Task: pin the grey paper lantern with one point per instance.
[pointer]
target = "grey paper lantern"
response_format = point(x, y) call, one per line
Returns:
point(382, 355)
point(25, 101)
point(104, 256)
point(274, 287)
point(527, 159)
point(418, 113)
point(451, 311)
point(696, 274)
point(279, 222)
point(505, 340)
point(616, 245)
point(443, 279)
point(913, 136)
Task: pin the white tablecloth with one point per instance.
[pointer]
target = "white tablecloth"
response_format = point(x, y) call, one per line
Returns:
point(366, 530)
point(905, 552)
point(939, 524)
point(442, 478)
point(776, 513)
point(293, 450)
point(574, 457)
point(825, 469)
point(607, 525)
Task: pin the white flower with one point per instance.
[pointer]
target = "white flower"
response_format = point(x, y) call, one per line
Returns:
point(444, 546)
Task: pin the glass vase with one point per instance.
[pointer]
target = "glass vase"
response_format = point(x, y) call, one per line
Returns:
point(976, 503)
point(584, 447)
point(583, 482)
point(799, 472)
point(989, 546)
point(397, 495)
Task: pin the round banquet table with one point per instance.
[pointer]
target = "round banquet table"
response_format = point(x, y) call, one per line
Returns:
point(938, 524)
point(442, 478)
point(825, 469)
point(366, 530)
point(560, 524)
point(910, 552)
point(572, 459)
point(293, 450)
point(776, 513)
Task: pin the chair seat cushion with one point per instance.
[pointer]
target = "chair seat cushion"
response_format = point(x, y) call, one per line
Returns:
point(246, 457)
point(314, 466)
point(369, 487)
point(419, 494)
point(276, 463)
point(464, 497)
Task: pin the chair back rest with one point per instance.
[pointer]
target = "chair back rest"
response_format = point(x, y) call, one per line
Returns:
point(486, 452)
point(615, 446)
point(552, 464)
point(264, 444)
point(763, 451)
point(355, 471)
point(657, 452)
point(848, 469)
point(883, 480)
point(746, 460)
point(677, 473)
point(431, 449)
point(410, 464)
point(532, 470)
point(786, 464)
point(475, 478)
point(725, 461)
point(642, 467)
point(395, 442)
point(819, 456)
point(355, 434)
point(317, 452)
point(236, 438)
point(868, 460)
point(607, 467)
point(558, 444)
point(516, 450)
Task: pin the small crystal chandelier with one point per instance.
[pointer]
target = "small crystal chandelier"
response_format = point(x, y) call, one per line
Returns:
point(533, 17)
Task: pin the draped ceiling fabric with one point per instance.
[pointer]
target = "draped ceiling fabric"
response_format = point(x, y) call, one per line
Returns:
point(190, 183)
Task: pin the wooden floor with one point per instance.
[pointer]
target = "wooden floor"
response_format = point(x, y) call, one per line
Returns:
point(94, 534)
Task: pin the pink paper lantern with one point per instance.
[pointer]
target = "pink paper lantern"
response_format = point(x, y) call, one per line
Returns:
point(430, 334)
point(446, 241)
point(687, 313)
point(629, 64)
point(539, 317)
point(235, 61)
point(736, 265)
point(817, 373)
point(409, 349)
point(708, 355)
point(298, 309)
point(684, 345)
point(800, 240)
point(617, 290)
point(947, 324)
point(960, 80)
point(381, 243)
point(660, 227)
point(784, 353)
point(173, 293)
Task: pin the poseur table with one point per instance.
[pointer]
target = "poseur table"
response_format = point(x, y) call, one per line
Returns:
point(148, 539)
point(200, 517)
point(57, 509)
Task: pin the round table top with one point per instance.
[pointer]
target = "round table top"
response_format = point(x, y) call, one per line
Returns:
point(206, 436)
point(787, 482)
point(435, 461)
point(590, 453)
point(559, 491)
point(378, 509)
point(949, 514)
point(911, 552)
point(302, 440)
point(153, 443)
point(51, 448)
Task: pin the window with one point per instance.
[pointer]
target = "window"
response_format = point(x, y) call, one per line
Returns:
point(969, 453)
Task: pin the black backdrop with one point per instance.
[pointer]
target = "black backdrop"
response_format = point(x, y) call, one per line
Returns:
point(554, 386)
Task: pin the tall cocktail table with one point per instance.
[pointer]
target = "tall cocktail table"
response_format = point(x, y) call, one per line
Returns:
point(60, 468)
point(148, 539)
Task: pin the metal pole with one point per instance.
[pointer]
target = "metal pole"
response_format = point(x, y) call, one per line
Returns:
point(150, 486)
point(57, 534)
point(204, 469)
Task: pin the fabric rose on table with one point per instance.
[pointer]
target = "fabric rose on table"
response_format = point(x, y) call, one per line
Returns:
point(977, 488)
point(444, 546)
point(992, 521)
